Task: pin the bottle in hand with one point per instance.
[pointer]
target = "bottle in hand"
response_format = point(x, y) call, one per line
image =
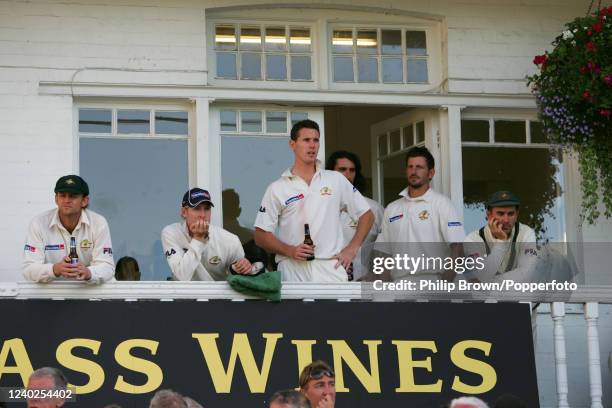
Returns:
point(74, 257)
point(308, 240)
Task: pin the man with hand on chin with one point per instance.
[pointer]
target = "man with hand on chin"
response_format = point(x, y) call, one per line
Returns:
point(509, 246)
point(50, 233)
point(318, 384)
point(197, 250)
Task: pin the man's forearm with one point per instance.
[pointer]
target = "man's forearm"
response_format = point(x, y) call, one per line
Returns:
point(270, 243)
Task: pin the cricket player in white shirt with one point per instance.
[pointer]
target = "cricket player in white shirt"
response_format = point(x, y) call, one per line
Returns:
point(195, 249)
point(423, 217)
point(308, 194)
point(49, 235)
point(349, 165)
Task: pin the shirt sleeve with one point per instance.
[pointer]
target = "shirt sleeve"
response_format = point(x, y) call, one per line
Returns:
point(450, 223)
point(236, 251)
point(34, 267)
point(269, 211)
point(102, 265)
point(356, 205)
point(183, 264)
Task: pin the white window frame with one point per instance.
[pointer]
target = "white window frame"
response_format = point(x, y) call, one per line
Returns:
point(152, 107)
point(263, 83)
point(433, 57)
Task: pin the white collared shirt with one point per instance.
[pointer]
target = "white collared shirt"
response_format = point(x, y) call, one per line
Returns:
point(193, 260)
point(48, 242)
point(427, 218)
point(290, 202)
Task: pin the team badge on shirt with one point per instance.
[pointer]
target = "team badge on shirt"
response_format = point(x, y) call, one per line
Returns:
point(326, 191)
point(86, 244)
point(424, 215)
point(215, 260)
point(294, 199)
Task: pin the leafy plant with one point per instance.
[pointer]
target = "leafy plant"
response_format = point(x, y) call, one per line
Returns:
point(574, 95)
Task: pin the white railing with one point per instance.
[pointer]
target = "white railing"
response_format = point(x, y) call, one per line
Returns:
point(589, 296)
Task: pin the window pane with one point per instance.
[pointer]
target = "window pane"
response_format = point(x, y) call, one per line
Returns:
point(171, 122)
point(368, 69)
point(225, 37)
point(382, 145)
point(251, 121)
point(420, 132)
point(510, 131)
point(251, 66)
point(391, 41)
point(417, 70)
point(408, 136)
point(416, 43)
point(300, 68)
point(95, 120)
point(150, 172)
point(246, 155)
point(392, 70)
point(276, 122)
point(537, 133)
point(250, 38)
point(396, 141)
point(367, 42)
point(276, 67)
point(394, 177)
point(228, 121)
point(538, 186)
point(297, 116)
point(226, 65)
point(342, 41)
point(475, 131)
point(276, 39)
point(343, 69)
point(300, 39)
point(133, 121)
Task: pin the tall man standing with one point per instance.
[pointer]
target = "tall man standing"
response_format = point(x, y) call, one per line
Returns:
point(307, 194)
point(422, 217)
point(50, 235)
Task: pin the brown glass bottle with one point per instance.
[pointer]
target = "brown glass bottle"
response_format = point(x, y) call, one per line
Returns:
point(74, 257)
point(308, 240)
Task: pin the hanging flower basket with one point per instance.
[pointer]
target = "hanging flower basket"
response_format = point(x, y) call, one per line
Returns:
point(574, 97)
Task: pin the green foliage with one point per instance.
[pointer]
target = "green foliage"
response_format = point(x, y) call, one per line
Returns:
point(574, 96)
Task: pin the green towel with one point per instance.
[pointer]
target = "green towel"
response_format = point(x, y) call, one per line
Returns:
point(266, 285)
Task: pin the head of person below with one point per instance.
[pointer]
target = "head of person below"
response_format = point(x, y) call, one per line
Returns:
point(508, 246)
point(318, 384)
point(424, 218)
point(288, 399)
point(71, 241)
point(167, 399)
point(307, 194)
point(47, 379)
point(197, 250)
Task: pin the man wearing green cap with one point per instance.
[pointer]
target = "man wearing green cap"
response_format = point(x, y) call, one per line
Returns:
point(509, 246)
point(50, 234)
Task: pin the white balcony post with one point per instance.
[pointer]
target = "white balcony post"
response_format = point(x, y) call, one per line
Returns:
point(558, 315)
point(591, 314)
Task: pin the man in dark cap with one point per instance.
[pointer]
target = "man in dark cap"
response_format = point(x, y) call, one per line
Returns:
point(52, 234)
point(197, 250)
point(509, 246)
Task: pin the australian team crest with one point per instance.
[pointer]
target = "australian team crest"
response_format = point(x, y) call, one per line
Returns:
point(86, 244)
point(215, 260)
point(326, 191)
point(424, 215)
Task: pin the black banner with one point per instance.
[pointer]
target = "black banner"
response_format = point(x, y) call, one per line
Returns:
point(236, 354)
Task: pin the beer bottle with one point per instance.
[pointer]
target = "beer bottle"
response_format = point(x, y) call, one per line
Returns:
point(308, 240)
point(74, 257)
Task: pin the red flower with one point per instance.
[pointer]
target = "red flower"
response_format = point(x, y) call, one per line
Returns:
point(590, 46)
point(608, 79)
point(605, 11)
point(540, 59)
point(597, 26)
point(586, 94)
point(589, 33)
point(605, 113)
